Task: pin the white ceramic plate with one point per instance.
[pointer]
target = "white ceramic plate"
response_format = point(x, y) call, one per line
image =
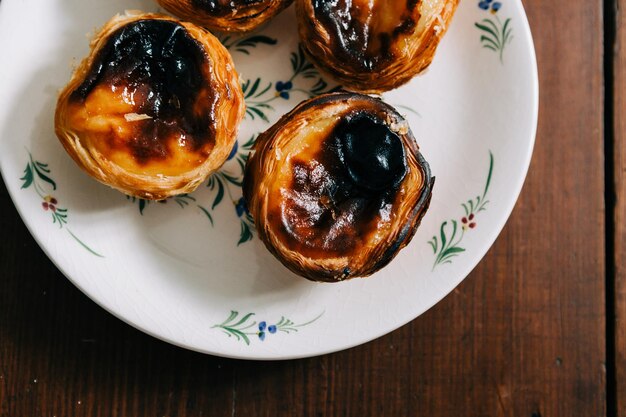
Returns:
point(191, 271)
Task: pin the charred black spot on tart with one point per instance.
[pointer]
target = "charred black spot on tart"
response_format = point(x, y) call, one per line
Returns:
point(160, 67)
point(373, 155)
point(354, 40)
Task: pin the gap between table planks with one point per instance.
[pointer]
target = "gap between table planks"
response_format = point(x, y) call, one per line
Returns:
point(616, 48)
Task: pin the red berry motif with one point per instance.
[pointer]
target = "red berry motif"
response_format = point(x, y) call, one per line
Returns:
point(467, 223)
point(49, 203)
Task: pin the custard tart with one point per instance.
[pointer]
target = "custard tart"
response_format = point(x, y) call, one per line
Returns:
point(337, 187)
point(373, 45)
point(155, 107)
point(226, 15)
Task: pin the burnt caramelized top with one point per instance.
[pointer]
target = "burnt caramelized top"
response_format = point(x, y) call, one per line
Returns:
point(224, 7)
point(156, 67)
point(370, 153)
point(363, 33)
point(342, 194)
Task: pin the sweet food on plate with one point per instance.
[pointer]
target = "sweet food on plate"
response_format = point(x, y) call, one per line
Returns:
point(155, 107)
point(373, 46)
point(337, 187)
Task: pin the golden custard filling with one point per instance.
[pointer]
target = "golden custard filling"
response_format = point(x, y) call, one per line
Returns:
point(147, 104)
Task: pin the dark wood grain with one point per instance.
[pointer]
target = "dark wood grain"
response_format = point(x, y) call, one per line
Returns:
point(524, 335)
point(619, 210)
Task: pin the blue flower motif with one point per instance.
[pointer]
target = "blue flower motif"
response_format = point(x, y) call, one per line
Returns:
point(283, 88)
point(261, 333)
point(233, 152)
point(241, 207)
point(490, 4)
point(263, 328)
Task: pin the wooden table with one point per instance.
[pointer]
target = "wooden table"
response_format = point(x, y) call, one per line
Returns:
point(536, 330)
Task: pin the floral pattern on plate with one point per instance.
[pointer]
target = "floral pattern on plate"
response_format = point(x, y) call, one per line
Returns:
point(38, 176)
point(242, 329)
point(448, 245)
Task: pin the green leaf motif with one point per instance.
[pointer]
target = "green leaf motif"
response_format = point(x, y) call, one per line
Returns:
point(239, 330)
point(434, 244)
point(59, 216)
point(491, 34)
point(183, 200)
point(495, 35)
point(301, 66)
point(246, 232)
point(450, 252)
point(84, 245)
point(142, 205)
point(443, 234)
point(220, 193)
point(246, 43)
point(319, 87)
point(236, 181)
point(254, 112)
point(41, 170)
point(28, 176)
point(252, 91)
point(206, 212)
point(249, 144)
